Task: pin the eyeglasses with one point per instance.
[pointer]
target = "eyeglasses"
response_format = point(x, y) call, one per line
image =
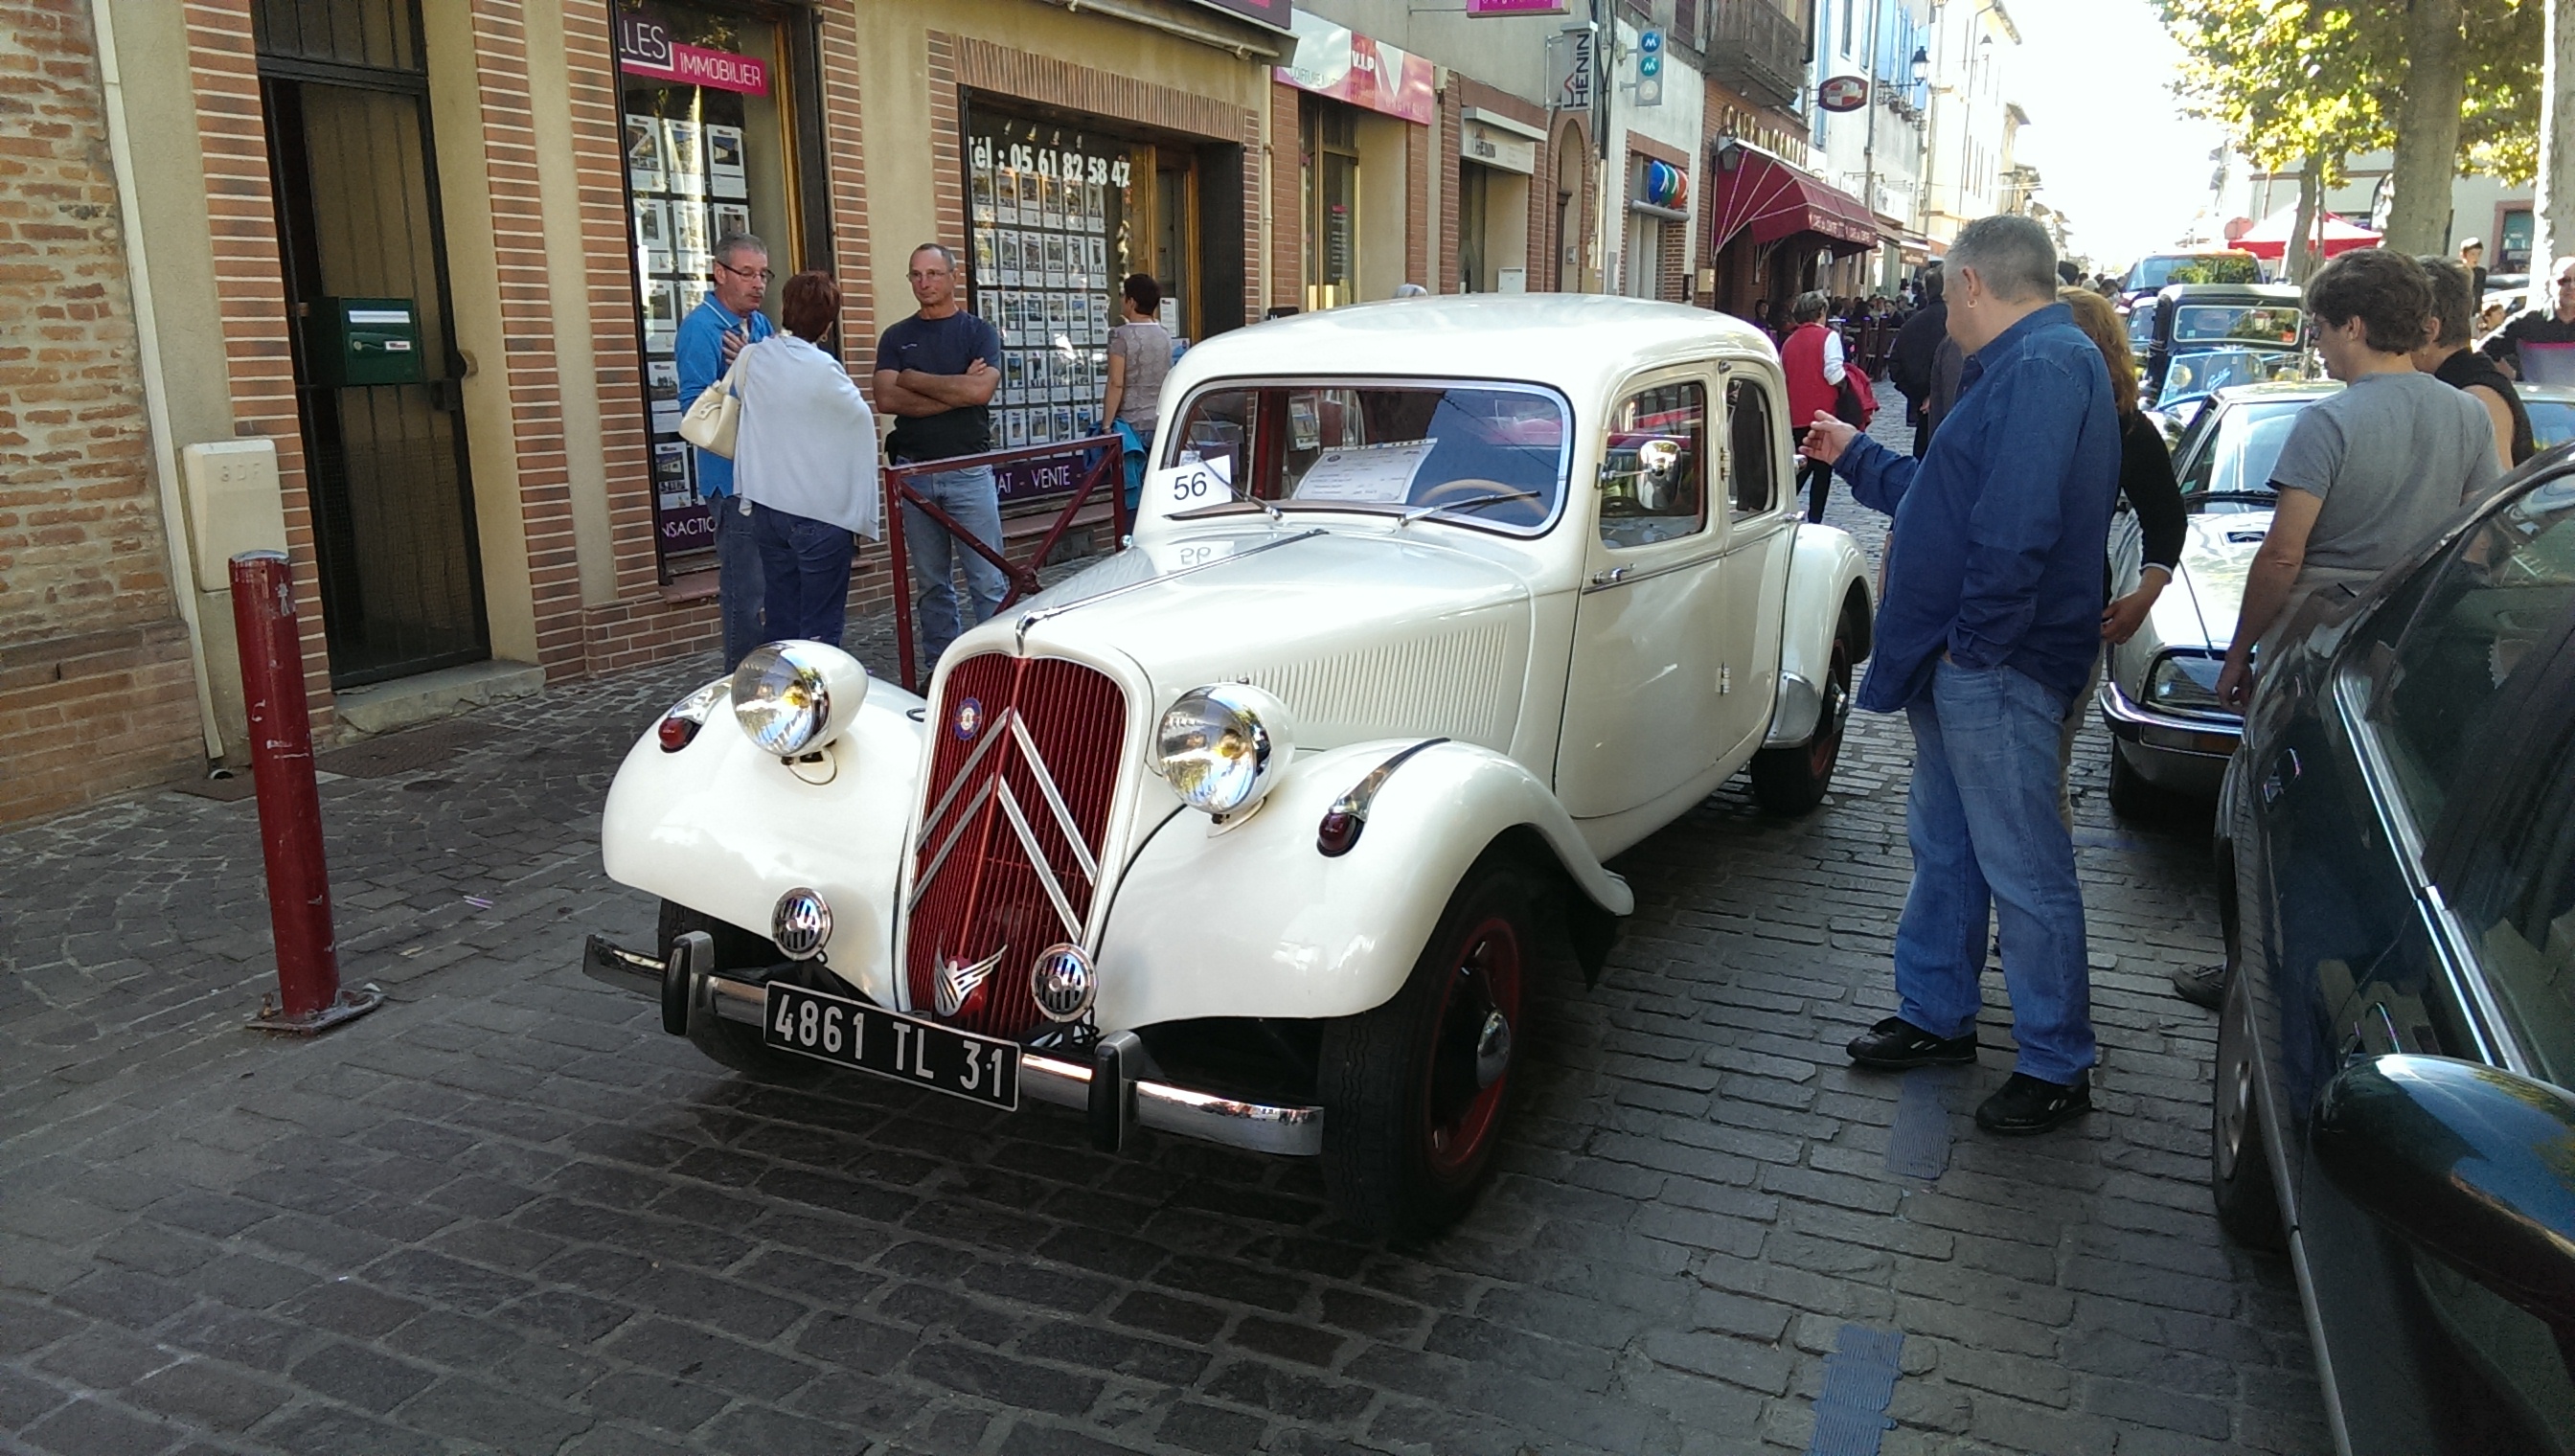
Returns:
point(762, 274)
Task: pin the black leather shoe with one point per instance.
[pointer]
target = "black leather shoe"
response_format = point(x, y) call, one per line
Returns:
point(2024, 1104)
point(2201, 985)
point(1895, 1045)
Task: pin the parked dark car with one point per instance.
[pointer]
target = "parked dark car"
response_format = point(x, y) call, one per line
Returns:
point(2397, 1040)
point(2262, 320)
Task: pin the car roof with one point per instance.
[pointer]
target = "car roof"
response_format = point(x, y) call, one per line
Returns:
point(2283, 389)
point(1573, 341)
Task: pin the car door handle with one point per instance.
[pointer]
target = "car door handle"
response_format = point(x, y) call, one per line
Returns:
point(1609, 577)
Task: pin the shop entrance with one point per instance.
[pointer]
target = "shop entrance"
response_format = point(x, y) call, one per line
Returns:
point(346, 87)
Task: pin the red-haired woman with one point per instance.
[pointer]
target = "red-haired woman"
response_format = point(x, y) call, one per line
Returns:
point(805, 457)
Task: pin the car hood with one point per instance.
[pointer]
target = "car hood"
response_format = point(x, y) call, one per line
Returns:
point(1363, 634)
point(2216, 557)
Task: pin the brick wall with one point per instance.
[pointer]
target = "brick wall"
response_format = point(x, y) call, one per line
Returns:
point(250, 287)
point(1464, 92)
point(96, 689)
point(1287, 198)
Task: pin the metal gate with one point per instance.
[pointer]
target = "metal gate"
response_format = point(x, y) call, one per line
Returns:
point(346, 88)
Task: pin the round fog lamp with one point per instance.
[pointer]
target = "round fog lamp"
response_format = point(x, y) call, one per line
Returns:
point(1063, 983)
point(795, 696)
point(1222, 746)
point(800, 923)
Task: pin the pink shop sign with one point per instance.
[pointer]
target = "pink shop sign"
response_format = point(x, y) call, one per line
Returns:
point(645, 48)
point(1515, 7)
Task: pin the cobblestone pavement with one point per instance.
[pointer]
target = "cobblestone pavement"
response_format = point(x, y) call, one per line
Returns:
point(507, 1213)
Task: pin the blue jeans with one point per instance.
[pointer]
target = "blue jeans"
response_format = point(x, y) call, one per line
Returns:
point(806, 566)
point(738, 588)
point(1982, 819)
point(972, 499)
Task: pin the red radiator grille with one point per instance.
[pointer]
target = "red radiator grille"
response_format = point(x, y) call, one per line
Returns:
point(1040, 737)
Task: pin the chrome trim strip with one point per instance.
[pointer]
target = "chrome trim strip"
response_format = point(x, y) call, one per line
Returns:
point(2119, 707)
point(956, 831)
point(1049, 614)
point(2334, 1421)
point(1631, 574)
point(1046, 879)
point(1054, 801)
point(1800, 708)
point(965, 770)
point(1281, 1130)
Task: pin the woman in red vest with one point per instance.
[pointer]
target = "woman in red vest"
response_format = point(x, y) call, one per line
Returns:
point(1813, 357)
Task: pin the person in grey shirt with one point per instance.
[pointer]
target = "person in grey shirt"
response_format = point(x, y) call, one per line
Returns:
point(2368, 474)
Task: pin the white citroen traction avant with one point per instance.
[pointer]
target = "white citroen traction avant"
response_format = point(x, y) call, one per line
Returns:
point(1258, 831)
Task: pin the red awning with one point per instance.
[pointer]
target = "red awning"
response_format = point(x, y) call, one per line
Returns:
point(1777, 200)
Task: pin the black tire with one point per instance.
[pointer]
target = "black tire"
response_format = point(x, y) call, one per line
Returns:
point(2131, 796)
point(2239, 1162)
point(1411, 1122)
point(731, 1043)
point(1793, 781)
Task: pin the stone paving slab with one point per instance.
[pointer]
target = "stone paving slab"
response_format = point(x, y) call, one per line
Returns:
point(506, 1213)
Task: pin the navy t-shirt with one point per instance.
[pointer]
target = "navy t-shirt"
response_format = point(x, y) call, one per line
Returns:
point(940, 346)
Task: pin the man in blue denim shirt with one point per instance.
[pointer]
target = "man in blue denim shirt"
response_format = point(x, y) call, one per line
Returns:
point(728, 317)
point(1986, 638)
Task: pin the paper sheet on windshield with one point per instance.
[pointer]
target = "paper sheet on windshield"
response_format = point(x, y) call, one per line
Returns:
point(1380, 474)
point(1193, 481)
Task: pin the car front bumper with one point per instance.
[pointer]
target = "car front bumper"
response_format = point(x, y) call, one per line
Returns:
point(1112, 1100)
point(2172, 752)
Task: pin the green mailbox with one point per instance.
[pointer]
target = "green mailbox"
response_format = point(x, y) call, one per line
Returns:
point(363, 341)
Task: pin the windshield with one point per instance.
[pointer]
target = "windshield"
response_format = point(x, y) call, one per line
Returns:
point(2153, 273)
point(2235, 452)
point(2235, 324)
point(1487, 455)
point(2194, 376)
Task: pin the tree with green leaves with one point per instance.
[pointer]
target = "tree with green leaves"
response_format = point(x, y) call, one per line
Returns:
point(2447, 85)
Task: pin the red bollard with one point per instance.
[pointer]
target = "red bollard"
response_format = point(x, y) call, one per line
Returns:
point(290, 802)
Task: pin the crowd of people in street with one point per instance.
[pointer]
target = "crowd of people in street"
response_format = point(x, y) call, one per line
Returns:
point(2024, 390)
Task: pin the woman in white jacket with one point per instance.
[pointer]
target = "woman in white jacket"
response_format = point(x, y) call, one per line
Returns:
point(805, 457)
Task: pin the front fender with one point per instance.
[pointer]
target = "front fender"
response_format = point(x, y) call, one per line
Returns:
point(1251, 920)
point(1826, 576)
point(723, 829)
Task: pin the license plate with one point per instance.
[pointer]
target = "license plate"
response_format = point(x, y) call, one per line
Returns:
point(854, 1034)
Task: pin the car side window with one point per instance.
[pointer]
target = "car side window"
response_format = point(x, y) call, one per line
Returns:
point(2447, 694)
point(1751, 454)
point(2516, 896)
point(1653, 471)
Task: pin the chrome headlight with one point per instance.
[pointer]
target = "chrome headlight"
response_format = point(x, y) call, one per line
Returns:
point(796, 696)
point(1223, 745)
point(2185, 682)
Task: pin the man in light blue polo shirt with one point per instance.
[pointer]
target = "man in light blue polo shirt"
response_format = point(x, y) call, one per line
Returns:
point(713, 332)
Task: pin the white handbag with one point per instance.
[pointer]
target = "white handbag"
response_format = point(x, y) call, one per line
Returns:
point(716, 414)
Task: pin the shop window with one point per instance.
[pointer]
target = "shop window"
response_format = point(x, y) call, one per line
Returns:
point(2512, 243)
point(712, 150)
point(1331, 191)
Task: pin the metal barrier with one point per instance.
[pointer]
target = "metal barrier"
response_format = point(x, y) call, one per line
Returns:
point(1108, 462)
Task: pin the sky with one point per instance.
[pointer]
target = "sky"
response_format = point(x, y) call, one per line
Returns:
point(2113, 151)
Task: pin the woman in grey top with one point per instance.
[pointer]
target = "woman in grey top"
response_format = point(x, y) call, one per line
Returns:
point(1140, 353)
point(2366, 474)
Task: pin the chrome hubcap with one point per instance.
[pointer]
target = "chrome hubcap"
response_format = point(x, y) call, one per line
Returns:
point(1493, 1049)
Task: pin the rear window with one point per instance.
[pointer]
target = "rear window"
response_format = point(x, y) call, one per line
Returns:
point(1485, 455)
point(2234, 322)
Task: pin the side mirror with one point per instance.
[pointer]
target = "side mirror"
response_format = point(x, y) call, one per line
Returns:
point(2473, 1162)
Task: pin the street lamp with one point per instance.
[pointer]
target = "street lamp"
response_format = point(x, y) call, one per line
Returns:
point(1921, 64)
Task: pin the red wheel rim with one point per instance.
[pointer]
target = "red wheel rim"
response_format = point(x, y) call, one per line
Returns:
point(1461, 1105)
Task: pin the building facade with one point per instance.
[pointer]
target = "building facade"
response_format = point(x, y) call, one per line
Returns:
point(1967, 134)
point(1877, 151)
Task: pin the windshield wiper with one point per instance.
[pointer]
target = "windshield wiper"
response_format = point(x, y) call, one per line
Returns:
point(1471, 503)
point(1241, 497)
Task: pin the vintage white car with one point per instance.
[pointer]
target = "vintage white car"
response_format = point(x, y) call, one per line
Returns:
point(1258, 831)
